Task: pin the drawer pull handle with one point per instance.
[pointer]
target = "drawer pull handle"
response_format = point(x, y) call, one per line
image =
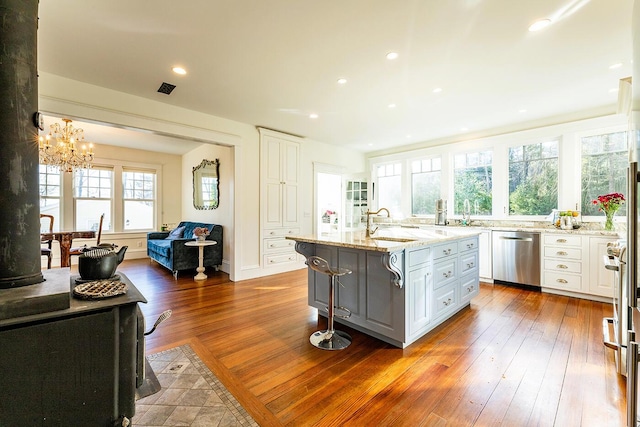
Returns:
point(469, 245)
point(447, 274)
point(561, 266)
point(470, 289)
point(561, 240)
point(561, 253)
point(447, 251)
point(447, 302)
point(561, 281)
point(470, 265)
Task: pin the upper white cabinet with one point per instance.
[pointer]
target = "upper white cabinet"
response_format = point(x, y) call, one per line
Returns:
point(279, 195)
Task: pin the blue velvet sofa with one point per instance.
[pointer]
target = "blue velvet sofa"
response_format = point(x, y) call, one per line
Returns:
point(171, 252)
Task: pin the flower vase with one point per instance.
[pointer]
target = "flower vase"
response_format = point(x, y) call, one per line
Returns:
point(608, 223)
point(200, 238)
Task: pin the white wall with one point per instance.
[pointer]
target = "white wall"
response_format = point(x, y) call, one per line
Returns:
point(62, 96)
point(223, 215)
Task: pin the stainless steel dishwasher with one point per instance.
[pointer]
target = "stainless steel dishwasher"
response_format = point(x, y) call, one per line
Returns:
point(516, 257)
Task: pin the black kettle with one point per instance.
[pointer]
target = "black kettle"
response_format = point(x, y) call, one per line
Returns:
point(98, 263)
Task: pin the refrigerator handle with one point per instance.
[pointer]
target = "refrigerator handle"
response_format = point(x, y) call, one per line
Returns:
point(632, 234)
point(632, 380)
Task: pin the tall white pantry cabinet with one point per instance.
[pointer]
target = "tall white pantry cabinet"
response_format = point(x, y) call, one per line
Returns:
point(280, 198)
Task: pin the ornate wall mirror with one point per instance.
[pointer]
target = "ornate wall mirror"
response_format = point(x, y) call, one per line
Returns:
point(205, 185)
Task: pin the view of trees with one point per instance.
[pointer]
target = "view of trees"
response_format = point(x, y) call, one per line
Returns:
point(533, 179)
point(473, 181)
point(602, 154)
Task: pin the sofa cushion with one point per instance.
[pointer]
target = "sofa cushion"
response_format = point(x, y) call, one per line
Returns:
point(176, 233)
point(161, 247)
point(190, 226)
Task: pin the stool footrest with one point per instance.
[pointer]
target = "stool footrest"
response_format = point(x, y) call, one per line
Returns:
point(330, 340)
point(342, 316)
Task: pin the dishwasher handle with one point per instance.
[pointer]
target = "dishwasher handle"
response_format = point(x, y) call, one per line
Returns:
point(521, 239)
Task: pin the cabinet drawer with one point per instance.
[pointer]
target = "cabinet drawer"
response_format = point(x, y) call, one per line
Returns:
point(468, 244)
point(280, 232)
point(562, 240)
point(562, 253)
point(468, 263)
point(444, 272)
point(280, 258)
point(563, 265)
point(565, 281)
point(445, 300)
point(278, 245)
point(419, 256)
point(469, 288)
point(445, 250)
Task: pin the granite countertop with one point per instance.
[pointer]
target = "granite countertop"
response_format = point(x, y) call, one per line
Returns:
point(390, 239)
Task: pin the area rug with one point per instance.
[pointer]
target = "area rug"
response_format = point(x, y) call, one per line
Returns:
point(191, 395)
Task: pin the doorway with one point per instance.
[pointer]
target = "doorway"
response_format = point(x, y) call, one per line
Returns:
point(328, 199)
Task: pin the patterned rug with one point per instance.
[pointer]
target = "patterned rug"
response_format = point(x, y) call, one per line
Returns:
point(191, 395)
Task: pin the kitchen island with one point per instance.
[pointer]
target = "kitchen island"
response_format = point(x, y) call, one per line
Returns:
point(405, 281)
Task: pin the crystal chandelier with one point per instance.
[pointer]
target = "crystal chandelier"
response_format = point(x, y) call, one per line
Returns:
point(65, 154)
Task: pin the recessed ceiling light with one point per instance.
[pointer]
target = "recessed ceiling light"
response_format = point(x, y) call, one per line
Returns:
point(539, 24)
point(613, 90)
point(463, 129)
point(179, 70)
point(522, 111)
point(342, 81)
point(392, 55)
point(614, 66)
point(391, 105)
point(313, 116)
point(437, 90)
point(409, 136)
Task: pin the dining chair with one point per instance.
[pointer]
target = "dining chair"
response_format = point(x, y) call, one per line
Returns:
point(80, 250)
point(46, 250)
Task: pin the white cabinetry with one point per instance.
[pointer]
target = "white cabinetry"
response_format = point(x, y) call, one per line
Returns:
point(572, 265)
point(356, 203)
point(600, 279)
point(484, 240)
point(279, 196)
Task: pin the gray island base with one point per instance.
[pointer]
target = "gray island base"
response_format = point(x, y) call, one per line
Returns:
point(405, 282)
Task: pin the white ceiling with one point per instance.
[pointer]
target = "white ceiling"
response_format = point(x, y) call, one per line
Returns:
point(273, 62)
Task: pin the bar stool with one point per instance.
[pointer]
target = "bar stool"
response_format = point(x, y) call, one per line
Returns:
point(330, 339)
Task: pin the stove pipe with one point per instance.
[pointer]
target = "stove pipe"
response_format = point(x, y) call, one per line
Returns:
point(19, 181)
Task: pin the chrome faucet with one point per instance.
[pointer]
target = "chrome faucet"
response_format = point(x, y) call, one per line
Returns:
point(369, 231)
point(466, 212)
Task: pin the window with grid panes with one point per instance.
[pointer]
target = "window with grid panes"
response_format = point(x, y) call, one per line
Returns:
point(139, 196)
point(425, 185)
point(93, 196)
point(50, 184)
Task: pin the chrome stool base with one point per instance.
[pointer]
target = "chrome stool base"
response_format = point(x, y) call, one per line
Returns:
point(326, 340)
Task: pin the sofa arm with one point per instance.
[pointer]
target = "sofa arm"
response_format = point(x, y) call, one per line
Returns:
point(155, 235)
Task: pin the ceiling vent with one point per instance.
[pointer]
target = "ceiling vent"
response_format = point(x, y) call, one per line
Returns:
point(166, 88)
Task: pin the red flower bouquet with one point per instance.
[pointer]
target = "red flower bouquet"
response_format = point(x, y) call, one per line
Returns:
point(609, 204)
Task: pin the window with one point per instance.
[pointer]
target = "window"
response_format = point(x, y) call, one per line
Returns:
point(533, 178)
point(139, 197)
point(50, 194)
point(604, 158)
point(92, 190)
point(473, 181)
point(389, 192)
point(425, 186)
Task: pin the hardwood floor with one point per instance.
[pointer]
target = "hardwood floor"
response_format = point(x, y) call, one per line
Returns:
point(514, 358)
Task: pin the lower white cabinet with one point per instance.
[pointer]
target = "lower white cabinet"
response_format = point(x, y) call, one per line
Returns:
point(573, 264)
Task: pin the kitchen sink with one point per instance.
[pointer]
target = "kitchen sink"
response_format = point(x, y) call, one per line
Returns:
point(394, 239)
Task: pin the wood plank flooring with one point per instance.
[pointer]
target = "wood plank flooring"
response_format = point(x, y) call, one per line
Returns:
point(514, 358)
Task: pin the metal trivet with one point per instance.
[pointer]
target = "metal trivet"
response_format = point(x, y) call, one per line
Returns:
point(100, 289)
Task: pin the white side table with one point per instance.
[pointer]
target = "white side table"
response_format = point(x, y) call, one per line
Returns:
point(200, 244)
